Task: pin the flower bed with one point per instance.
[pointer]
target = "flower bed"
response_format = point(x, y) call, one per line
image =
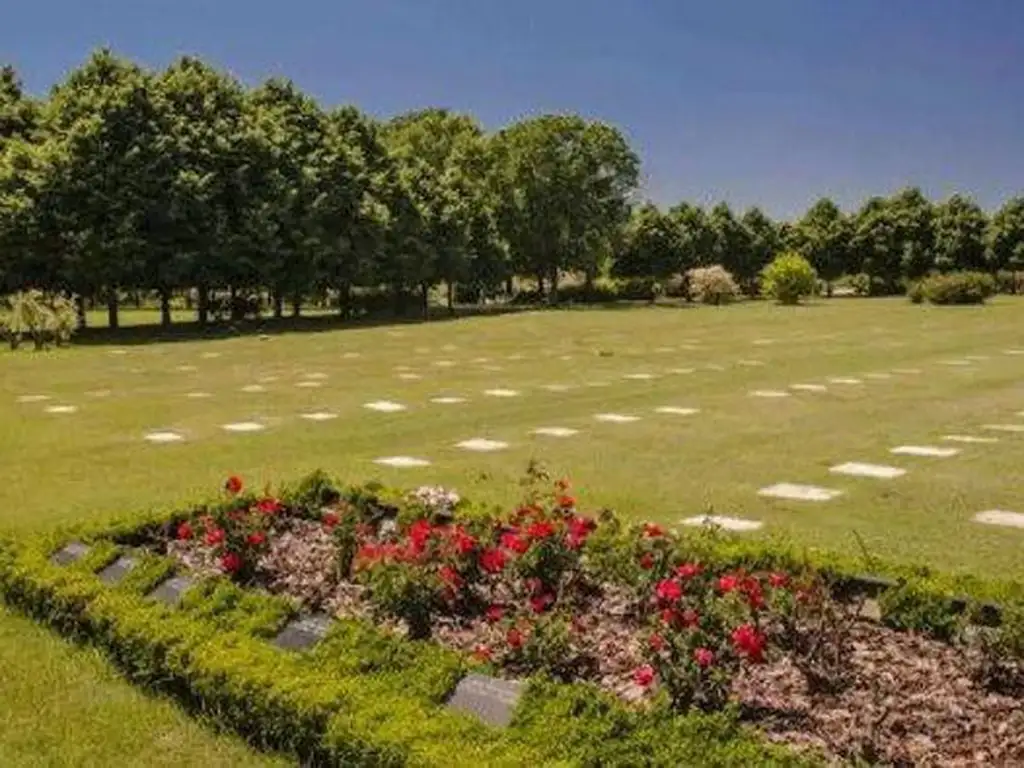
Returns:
point(657, 620)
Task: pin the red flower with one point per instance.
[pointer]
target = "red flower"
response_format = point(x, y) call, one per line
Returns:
point(184, 532)
point(647, 561)
point(778, 580)
point(269, 506)
point(669, 617)
point(565, 501)
point(728, 583)
point(533, 585)
point(215, 536)
point(704, 657)
point(256, 538)
point(688, 570)
point(330, 519)
point(464, 543)
point(495, 613)
point(643, 676)
point(515, 542)
point(233, 485)
point(541, 529)
point(668, 590)
point(482, 653)
point(754, 593)
point(514, 638)
point(657, 643)
point(689, 618)
point(419, 533)
point(542, 602)
point(492, 560)
point(231, 562)
point(749, 642)
point(653, 531)
point(581, 526)
point(450, 576)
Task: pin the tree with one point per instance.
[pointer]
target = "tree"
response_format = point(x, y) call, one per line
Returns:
point(19, 115)
point(1004, 237)
point(876, 246)
point(731, 247)
point(565, 186)
point(913, 221)
point(651, 246)
point(762, 237)
point(822, 236)
point(960, 235)
point(789, 278)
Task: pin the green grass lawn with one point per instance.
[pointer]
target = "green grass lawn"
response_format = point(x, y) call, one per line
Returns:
point(94, 462)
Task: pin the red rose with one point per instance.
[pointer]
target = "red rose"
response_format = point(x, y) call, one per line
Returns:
point(231, 562)
point(656, 642)
point(704, 657)
point(541, 529)
point(464, 543)
point(752, 590)
point(668, 590)
point(778, 580)
point(330, 519)
point(749, 642)
point(514, 638)
point(450, 576)
point(647, 561)
point(515, 542)
point(184, 532)
point(215, 536)
point(728, 583)
point(643, 676)
point(256, 538)
point(492, 560)
point(581, 526)
point(653, 531)
point(541, 603)
point(269, 506)
point(495, 613)
point(233, 485)
point(688, 570)
point(482, 653)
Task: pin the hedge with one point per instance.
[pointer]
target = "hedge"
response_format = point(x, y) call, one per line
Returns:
point(360, 697)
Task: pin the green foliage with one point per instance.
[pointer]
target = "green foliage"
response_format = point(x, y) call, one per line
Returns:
point(712, 285)
point(789, 278)
point(44, 319)
point(910, 607)
point(958, 288)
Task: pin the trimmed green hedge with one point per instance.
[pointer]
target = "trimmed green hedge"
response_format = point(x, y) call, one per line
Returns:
point(360, 697)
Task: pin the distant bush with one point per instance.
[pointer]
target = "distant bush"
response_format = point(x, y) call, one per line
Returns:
point(638, 289)
point(864, 284)
point(712, 285)
point(915, 292)
point(1010, 282)
point(958, 288)
point(44, 319)
point(789, 278)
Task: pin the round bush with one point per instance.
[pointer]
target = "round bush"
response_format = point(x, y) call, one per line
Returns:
point(789, 278)
point(958, 288)
point(712, 285)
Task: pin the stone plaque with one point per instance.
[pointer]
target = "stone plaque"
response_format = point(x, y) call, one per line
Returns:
point(170, 591)
point(70, 553)
point(304, 632)
point(489, 698)
point(117, 570)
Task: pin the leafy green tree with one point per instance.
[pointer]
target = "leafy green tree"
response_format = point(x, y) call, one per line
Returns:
point(762, 236)
point(651, 246)
point(960, 235)
point(19, 115)
point(913, 219)
point(823, 236)
point(789, 278)
point(876, 246)
point(732, 248)
point(1004, 237)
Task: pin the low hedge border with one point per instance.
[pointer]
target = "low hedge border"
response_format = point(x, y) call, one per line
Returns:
point(359, 697)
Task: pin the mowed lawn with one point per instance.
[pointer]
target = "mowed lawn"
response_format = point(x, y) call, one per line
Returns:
point(565, 367)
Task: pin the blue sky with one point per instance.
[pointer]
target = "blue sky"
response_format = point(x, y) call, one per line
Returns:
point(767, 102)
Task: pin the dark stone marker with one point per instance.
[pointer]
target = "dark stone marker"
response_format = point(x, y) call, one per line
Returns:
point(117, 570)
point(490, 699)
point(69, 554)
point(170, 591)
point(304, 632)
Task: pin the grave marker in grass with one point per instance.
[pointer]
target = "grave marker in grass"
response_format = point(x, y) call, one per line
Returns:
point(171, 590)
point(117, 570)
point(491, 699)
point(69, 553)
point(304, 632)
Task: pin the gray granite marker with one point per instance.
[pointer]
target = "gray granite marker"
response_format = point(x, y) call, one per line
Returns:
point(71, 552)
point(171, 590)
point(489, 698)
point(117, 570)
point(304, 632)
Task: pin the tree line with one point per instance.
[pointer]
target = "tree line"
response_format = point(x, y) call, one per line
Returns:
point(183, 180)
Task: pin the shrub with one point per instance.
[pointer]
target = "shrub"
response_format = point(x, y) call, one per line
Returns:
point(712, 285)
point(789, 278)
point(915, 292)
point(45, 319)
point(1010, 282)
point(864, 284)
point(958, 288)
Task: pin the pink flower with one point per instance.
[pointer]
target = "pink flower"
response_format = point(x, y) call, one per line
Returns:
point(495, 613)
point(656, 642)
point(688, 570)
point(450, 576)
point(728, 583)
point(515, 542)
point(330, 520)
point(748, 642)
point(493, 560)
point(689, 618)
point(668, 590)
point(647, 561)
point(778, 580)
point(269, 506)
point(184, 532)
point(542, 602)
point(704, 657)
point(231, 562)
point(643, 676)
point(482, 653)
point(214, 536)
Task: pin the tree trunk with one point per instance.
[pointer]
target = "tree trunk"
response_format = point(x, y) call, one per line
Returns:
point(296, 305)
point(112, 307)
point(80, 312)
point(345, 300)
point(509, 286)
point(165, 307)
point(828, 289)
point(425, 300)
point(203, 304)
point(540, 283)
point(553, 295)
point(451, 299)
point(278, 305)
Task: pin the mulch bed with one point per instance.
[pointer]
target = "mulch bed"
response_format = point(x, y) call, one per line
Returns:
point(912, 700)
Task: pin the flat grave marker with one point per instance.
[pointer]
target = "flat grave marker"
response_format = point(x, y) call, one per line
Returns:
point(797, 492)
point(929, 451)
point(69, 553)
point(304, 632)
point(859, 469)
point(491, 699)
point(117, 570)
point(171, 590)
